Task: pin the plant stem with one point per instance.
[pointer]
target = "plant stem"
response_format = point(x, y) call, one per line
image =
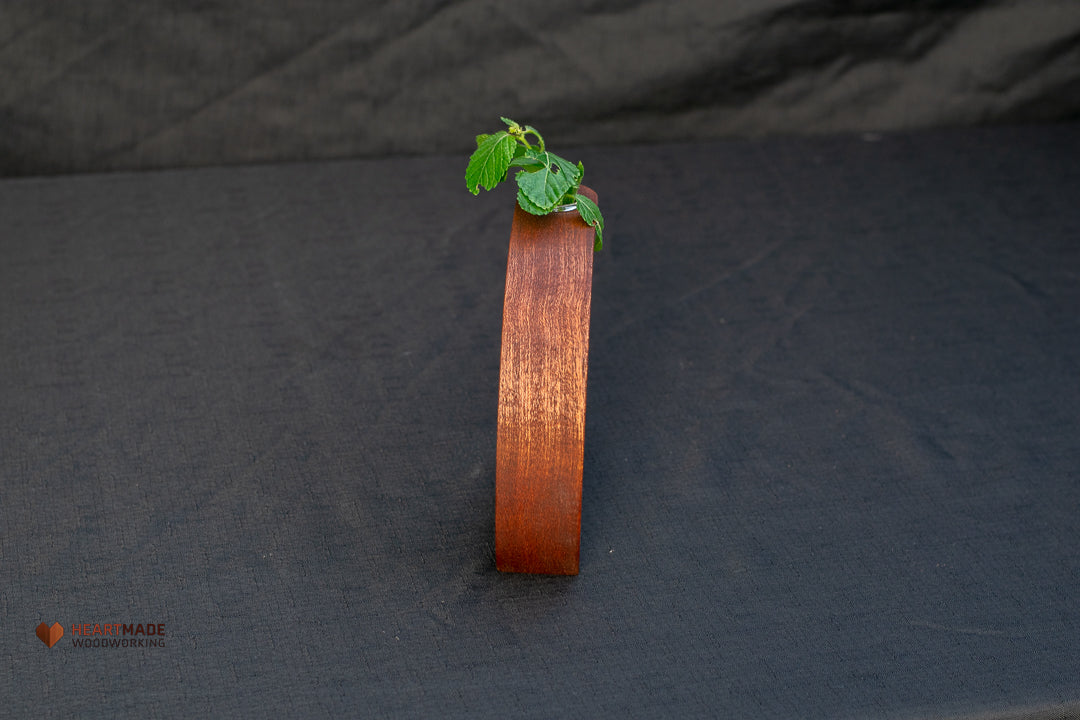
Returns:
point(538, 137)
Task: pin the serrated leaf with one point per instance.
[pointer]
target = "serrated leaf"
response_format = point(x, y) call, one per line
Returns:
point(528, 206)
point(545, 186)
point(526, 158)
point(529, 163)
point(488, 165)
point(509, 122)
point(590, 213)
point(481, 138)
point(516, 160)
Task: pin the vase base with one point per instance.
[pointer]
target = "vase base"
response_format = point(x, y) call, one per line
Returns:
point(542, 380)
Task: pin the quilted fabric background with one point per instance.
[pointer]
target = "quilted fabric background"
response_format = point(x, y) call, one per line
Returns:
point(116, 84)
point(831, 458)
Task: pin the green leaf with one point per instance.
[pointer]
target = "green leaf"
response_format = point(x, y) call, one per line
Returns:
point(546, 185)
point(534, 131)
point(529, 163)
point(488, 165)
point(544, 180)
point(516, 160)
point(590, 213)
point(528, 206)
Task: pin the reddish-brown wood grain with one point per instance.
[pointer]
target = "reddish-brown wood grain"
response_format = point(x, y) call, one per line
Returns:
point(542, 378)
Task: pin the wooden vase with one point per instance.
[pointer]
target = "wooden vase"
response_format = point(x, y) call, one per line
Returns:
point(542, 378)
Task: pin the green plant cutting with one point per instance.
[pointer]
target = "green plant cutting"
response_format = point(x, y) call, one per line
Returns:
point(546, 182)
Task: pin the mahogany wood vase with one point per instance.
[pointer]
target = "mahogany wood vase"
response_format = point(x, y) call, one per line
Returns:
point(542, 377)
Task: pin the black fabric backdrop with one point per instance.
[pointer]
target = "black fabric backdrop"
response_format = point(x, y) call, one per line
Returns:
point(115, 84)
point(831, 464)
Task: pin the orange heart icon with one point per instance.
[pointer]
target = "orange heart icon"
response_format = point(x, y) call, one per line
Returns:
point(50, 635)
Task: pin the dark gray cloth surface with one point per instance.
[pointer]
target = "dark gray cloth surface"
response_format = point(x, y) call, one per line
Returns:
point(115, 84)
point(832, 464)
